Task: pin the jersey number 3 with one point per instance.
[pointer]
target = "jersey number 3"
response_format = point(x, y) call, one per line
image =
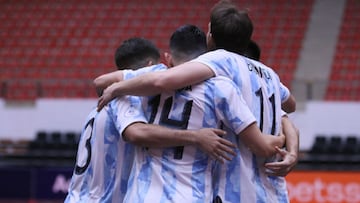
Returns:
point(87, 134)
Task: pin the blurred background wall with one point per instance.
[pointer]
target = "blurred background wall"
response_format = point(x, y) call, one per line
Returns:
point(50, 51)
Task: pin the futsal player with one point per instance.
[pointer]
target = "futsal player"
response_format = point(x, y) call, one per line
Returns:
point(289, 158)
point(104, 160)
point(185, 173)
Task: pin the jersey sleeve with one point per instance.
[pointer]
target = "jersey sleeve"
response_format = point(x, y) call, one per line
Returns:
point(208, 60)
point(231, 106)
point(284, 92)
point(125, 111)
point(128, 74)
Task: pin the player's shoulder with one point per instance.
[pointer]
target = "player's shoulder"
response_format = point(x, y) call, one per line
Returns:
point(159, 66)
point(218, 53)
point(91, 115)
point(128, 74)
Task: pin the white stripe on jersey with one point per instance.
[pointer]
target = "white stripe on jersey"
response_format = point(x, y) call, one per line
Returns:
point(185, 174)
point(103, 178)
point(128, 74)
point(263, 92)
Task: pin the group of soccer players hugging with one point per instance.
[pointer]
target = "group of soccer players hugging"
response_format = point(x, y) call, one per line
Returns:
point(210, 126)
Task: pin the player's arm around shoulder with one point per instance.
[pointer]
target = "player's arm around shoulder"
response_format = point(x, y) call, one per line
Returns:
point(180, 76)
point(103, 81)
point(209, 140)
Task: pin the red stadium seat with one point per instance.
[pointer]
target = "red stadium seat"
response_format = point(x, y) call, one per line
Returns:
point(345, 64)
point(21, 90)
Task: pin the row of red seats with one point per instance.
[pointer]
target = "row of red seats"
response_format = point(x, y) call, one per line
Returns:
point(344, 79)
point(28, 90)
point(62, 39)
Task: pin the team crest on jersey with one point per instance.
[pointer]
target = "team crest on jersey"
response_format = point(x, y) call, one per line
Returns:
point(132, 111)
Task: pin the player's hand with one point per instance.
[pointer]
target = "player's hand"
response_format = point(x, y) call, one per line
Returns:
point(284, 167)
point(209, 141)
point(106, 97)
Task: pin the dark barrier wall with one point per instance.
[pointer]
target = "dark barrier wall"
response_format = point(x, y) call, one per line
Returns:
point(51, 183)
point(34, 182)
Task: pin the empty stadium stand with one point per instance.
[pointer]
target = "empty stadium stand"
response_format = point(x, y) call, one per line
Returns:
point(333, 152)
point(344, 81)
point(47, 148)
point(54, 49)
point(48, 43)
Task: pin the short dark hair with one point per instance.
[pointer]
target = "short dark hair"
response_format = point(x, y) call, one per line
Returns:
point(253, 51)
point(135, 53)
point(187, 42)
point(231, 28)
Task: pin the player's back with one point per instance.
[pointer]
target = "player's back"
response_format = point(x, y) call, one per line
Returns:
point(184, 173)
point(104, 160)
point(263, 93)
point(259, 85)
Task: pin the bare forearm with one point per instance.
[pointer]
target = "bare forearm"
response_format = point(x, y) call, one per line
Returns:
point(156, 136)
point(144, 85)
point(163, 81)
point(260, 144)
point(157, 82)
point(292, 136)
point(105, 80)
point(290, 154)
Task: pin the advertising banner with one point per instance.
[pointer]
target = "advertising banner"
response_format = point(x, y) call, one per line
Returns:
point(324, 186)
point(303, 186)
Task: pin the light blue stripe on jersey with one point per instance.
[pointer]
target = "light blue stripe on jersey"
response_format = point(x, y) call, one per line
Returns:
point(231, 171)
point(124, 111)
point(168, 170)
point(126, 167)
point(136, 194)
point(260, 189)
point(282, 197)
point(103, 160)
point(198, 177)
point(226, 94)
point(110, 164)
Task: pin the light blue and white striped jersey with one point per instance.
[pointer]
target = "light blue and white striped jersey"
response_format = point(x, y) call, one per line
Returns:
point(243, 179)
point(128, 74)
point(184, 173)
point(104, 160)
